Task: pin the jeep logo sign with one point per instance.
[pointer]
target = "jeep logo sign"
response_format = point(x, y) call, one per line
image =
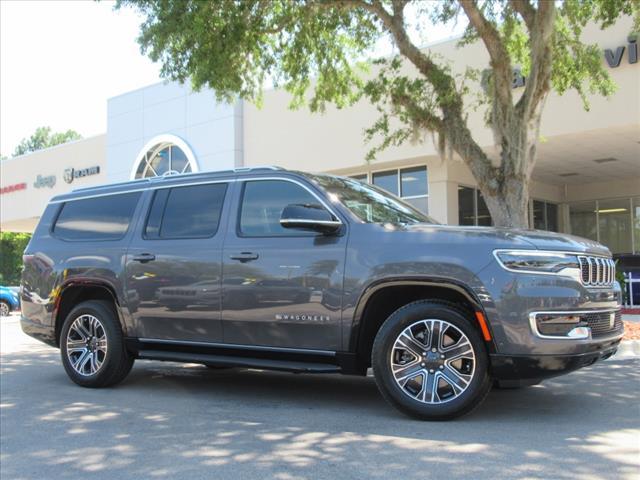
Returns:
point(71, 173)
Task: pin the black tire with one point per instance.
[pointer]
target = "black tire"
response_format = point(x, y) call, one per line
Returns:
point(478, 386)
point(117, 362)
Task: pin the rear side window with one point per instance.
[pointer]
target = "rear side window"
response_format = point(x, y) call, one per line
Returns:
point(99, 218)
point(186, 212)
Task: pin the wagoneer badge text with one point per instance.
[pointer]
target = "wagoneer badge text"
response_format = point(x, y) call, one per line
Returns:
point(303, 318)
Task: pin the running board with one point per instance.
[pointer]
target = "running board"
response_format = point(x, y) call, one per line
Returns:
point(222, 360)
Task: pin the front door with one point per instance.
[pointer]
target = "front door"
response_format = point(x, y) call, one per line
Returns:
point(174, 266)
point(281, 287)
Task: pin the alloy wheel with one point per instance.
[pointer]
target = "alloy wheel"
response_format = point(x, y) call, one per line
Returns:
point(432, 361)
point(86, 345)
point(4, 309)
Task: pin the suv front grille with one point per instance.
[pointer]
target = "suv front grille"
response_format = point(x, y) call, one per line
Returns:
point(597, 271)
point(603, 324)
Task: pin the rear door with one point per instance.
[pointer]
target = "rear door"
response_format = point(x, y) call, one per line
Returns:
point(281, 287)
point(174, 264)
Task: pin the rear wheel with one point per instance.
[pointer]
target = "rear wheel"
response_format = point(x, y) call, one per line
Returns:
point(430, 362)
point(5, 308)
point(92, 346)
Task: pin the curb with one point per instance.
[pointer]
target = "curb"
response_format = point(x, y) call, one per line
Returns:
point(627, 349)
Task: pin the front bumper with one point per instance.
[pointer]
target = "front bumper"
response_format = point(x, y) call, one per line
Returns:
point(512, 370)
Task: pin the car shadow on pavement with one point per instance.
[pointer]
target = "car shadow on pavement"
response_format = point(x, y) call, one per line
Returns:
point(186, 421)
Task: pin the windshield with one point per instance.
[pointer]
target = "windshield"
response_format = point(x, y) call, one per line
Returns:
point(370, 204)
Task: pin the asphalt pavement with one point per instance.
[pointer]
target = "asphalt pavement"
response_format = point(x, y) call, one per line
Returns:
point(172, 421)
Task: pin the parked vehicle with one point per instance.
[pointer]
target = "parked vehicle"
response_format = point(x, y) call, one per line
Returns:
point(273, 269)
point(9, 301)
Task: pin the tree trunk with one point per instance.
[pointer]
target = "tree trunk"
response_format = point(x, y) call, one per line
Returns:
point(509, 205)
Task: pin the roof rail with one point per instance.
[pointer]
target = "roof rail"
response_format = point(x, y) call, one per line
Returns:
point(258, 167)
point(173, 176)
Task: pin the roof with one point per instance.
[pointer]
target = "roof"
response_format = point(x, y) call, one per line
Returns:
point(166, 180)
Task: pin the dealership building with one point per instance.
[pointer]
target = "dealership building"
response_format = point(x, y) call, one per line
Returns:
point(586, 180)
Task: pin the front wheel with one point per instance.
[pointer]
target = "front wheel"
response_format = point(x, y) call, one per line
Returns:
point(430, 362)
point(92, 346)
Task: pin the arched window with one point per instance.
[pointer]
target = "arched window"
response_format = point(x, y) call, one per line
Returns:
point(164, 155)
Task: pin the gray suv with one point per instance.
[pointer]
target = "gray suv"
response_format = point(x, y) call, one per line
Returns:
point(273, 269)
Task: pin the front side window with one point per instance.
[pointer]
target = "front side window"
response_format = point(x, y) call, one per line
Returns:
point(186, 212)
point(369, 204)
point(99, 218)
point(263, 202)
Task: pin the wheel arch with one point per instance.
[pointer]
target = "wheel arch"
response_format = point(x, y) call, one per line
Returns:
point(384, 297)
point(75, 292)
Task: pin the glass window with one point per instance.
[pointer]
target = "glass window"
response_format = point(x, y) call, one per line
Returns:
point(466, 206)
point(187, 212)
point(419, 203)
point(413, 182)
point(370, 204)
point(614, 220)
point(582, 219)
point(552, 217)
point(162, 159)
point(636, 225)
point(387, 181)
point(545, 215)
point(263, 203)
point(99, 218)
point(154, 220)
point(484, 217)
point(539, 220)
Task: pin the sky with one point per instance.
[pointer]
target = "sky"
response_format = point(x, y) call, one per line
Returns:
point(59, 63)
point(61, 60)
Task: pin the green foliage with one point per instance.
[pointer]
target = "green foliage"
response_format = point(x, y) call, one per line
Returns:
point(44, 138)
point(315, 49)
point(321, 52)
point(12, 246)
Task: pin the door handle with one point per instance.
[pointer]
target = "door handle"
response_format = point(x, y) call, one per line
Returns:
point(244, 256)
point(144, 257)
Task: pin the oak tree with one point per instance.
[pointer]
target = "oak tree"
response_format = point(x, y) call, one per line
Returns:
point(320, 51)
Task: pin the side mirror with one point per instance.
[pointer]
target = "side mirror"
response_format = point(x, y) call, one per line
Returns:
point(309, 217)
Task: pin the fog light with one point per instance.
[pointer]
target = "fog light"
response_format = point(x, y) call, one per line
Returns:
point(579, 333)
point(559, 325)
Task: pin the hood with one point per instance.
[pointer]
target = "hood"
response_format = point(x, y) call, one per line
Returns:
point(518, 238)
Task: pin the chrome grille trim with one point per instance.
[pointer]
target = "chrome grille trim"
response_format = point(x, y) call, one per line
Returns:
point(596, 271)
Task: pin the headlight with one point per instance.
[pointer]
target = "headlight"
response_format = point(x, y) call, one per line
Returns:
point(537, 261)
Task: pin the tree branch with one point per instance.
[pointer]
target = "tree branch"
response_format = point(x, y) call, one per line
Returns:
point(526, 11)
point(539, 81)
point(500, 61)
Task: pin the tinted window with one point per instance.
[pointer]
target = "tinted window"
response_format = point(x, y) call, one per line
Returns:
point(100, 218)
point(466, 206)
point(186, 212)
point(262, 205)
point(538, 215)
